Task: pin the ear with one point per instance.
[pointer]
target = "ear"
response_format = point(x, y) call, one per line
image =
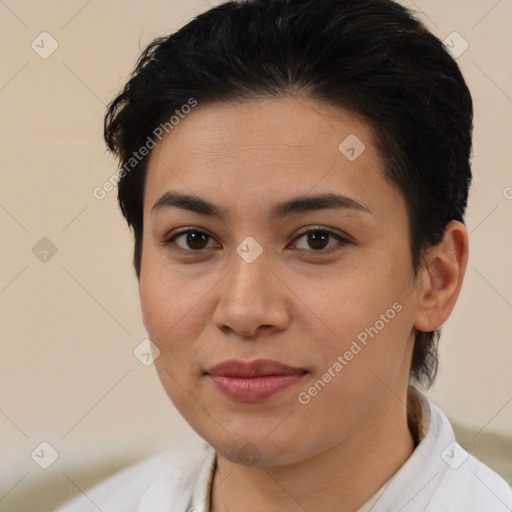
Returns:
point(440, 279)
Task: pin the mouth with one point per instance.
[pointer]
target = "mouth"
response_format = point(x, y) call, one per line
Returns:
point(253, 381)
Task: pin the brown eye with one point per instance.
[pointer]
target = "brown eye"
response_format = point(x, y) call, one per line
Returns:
point(318, 240)
point(191, 240)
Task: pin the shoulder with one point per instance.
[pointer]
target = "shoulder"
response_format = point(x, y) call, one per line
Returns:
point(472, 486)
point(164, 481)
point(466, 484)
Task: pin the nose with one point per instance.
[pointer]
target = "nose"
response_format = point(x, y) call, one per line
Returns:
point(252, 298)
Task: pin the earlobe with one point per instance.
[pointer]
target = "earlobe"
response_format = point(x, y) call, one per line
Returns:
point(441, 278)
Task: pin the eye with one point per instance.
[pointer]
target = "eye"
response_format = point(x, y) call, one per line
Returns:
point(318, 240)
point(192, 240)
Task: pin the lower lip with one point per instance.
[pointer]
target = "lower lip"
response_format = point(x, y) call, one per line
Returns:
point(254, 389)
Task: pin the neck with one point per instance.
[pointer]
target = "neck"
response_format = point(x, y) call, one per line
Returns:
point(342, 478)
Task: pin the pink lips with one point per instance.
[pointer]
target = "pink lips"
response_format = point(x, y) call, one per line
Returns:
point(253, 381)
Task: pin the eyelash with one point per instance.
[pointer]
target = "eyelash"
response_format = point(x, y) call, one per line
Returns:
point(342, 241)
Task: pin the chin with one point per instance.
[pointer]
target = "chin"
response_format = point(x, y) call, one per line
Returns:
point(257, 449)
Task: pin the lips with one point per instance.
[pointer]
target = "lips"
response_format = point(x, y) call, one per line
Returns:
point(253, 381)
point(257, 368)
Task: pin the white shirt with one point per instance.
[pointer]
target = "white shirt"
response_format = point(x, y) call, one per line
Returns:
point(439, 476)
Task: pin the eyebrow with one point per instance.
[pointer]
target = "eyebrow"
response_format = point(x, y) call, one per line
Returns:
point(300, 204)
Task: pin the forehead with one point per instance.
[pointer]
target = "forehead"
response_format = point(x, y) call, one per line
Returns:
point(263, 148)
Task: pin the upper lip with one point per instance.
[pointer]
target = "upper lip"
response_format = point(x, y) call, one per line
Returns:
point(257, 368)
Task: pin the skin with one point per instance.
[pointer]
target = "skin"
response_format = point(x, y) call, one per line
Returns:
point(297, 303)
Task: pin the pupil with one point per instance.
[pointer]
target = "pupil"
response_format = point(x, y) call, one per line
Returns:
point(317, 239)
point(194, 238)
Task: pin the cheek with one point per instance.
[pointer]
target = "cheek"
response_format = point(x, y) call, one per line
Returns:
point(172, 303)
point(359, 364)
point(366, 317)
point(170, 310)
point(347, 303)
point(175, 308)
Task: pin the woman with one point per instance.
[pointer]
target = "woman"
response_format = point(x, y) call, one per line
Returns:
point(296, 175)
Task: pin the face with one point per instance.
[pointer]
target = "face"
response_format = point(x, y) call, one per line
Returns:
point(323, 284)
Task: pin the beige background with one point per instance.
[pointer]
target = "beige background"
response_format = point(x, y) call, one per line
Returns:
point(69, 326)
